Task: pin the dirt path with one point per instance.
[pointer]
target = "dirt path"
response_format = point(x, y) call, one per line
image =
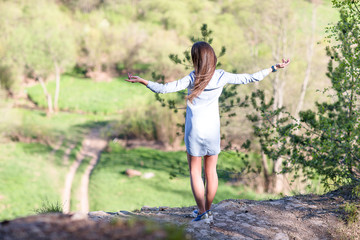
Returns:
point(95, 145)
point(67, 153)
point(91, 147)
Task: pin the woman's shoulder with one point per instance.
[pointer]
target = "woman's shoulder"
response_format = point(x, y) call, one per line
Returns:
point(219, 73)
point(217, 79)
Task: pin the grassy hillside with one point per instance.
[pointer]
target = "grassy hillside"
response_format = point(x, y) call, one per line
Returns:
point(29, 175)
point(87, 96)
point(32, 171)
point(112, 190)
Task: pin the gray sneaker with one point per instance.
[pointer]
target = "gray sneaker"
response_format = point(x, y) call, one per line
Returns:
point(204, 216)
point(210, 214)
point(194, 214)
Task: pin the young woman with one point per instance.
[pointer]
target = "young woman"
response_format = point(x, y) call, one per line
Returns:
point(202, 122)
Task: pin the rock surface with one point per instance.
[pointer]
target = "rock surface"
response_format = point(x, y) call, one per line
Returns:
point(300, 217)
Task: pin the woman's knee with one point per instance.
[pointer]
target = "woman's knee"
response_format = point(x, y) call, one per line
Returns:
point(195, 166)
point(211, 173)
point(194, 172)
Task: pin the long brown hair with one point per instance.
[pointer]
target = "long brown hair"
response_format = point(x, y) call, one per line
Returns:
point(204, 60)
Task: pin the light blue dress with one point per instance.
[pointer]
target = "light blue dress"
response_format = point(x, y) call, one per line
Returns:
point(202, 122)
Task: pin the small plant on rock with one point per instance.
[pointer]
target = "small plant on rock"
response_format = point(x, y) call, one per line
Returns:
point(49, 207)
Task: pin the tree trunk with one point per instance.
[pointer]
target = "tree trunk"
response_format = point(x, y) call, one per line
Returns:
point(310, 53)
point(279, 52)
point(278, 178)
point(266, 172)
point(57, 89)
point(48, 97)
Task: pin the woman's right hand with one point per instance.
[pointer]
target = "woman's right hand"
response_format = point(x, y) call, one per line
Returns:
point(283, 64)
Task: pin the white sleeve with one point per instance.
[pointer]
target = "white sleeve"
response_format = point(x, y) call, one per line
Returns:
point(245, 78)
point(169, 87)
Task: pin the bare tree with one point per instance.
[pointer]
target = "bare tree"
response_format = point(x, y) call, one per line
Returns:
point(47, 95)
point(309, 57)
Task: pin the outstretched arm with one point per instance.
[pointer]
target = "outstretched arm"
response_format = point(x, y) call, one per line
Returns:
point(136, 79)
point(258, 76)
point(162, 88)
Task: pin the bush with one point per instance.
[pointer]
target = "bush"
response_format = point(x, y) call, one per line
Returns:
point(149, 122)
point(6, 79)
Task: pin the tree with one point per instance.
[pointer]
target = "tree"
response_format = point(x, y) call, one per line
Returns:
point(8, 67)
point(309, 56)
point(331, 143)
point(326, 140)
point(45, 46)
point(279, 38)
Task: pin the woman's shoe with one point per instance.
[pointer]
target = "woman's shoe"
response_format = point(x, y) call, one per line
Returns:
point(204, 216)
point(210, 215)
point(194, 214)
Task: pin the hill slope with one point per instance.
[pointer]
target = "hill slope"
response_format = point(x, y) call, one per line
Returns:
point(299, 217)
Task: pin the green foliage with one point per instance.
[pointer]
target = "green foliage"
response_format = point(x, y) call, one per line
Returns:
point(330, 143)
point(49, 207)
point(206, 37)
point(356, 191)
point(268, 125)
point(6, 79)
point(150, 122)
point(324, 141)
point(40, 43)
point(352, 212)
point(82, 5)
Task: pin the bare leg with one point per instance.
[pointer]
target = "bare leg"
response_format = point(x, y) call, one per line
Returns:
point(197, 184)
point(211, 179)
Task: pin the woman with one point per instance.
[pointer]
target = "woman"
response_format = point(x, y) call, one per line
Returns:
point(202, 123)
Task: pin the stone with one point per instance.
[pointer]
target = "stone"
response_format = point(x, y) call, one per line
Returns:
point(148, 175)
point(163, 208)
point(276, 202)
point(229, 213)
point(98, 213)
point(79, 216)
point(145, 208)
point(281, 236)
point(132, 173)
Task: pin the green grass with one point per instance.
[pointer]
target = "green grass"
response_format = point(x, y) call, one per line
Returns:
point(75, 188)
point(49, 207)
point(34, 124)
point(86, 95)
point(112, 190)
point(28, 175)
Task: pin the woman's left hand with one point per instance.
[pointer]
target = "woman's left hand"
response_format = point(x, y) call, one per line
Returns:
point(283, 64)
point(136, 79)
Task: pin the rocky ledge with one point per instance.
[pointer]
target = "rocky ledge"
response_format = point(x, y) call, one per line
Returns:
point(299, 217)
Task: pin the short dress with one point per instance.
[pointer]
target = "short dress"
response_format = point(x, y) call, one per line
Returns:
point(202, 122)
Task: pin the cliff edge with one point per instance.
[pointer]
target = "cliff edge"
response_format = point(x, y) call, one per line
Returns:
point(297, 217)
